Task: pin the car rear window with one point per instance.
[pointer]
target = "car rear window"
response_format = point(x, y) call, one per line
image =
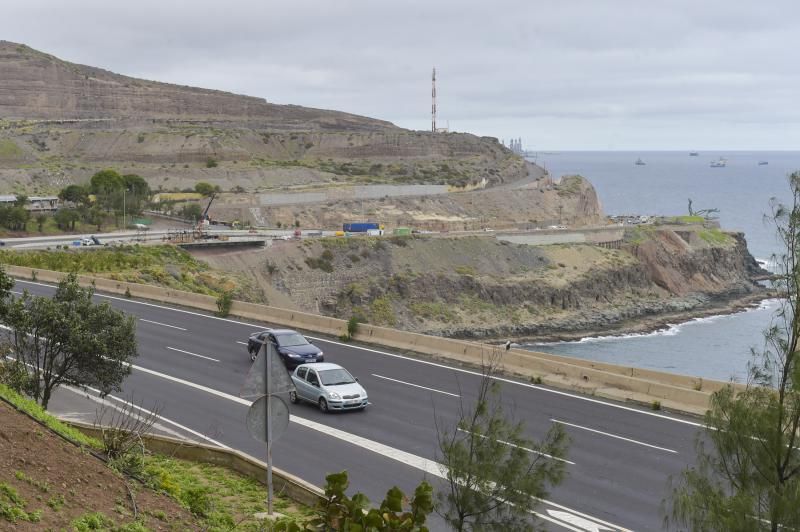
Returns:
point(302, 372)
point(289, 340)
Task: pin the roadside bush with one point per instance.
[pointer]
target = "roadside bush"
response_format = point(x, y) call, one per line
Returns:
point(224, 303)
point(211, 163)
point(340, 512)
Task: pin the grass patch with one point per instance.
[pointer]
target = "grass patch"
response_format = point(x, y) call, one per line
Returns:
point(381, 312)
point(639, 234)
point(433, 311)
point(33, 409)
point(715, 237)
point(167, 266)
point(465, 270)
point(12, 506)
point(223, 499)
point(9, 150)
point(570, 185)
point(689, 219)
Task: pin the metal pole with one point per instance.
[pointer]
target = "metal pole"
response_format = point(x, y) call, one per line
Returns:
point(269, 428)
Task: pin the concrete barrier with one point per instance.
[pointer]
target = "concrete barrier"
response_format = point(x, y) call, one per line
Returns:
point(679, 392)
point(293, 487)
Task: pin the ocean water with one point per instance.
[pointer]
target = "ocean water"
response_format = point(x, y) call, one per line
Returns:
point(718, 347)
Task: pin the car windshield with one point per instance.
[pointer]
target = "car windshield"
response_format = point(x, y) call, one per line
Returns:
point(289, 340)
point(332, 377)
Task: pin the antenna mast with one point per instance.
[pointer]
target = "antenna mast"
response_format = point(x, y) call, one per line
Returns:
point(433, 102)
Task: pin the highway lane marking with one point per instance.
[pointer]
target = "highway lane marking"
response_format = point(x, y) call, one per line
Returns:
point(243, 343)
point(193, 354)
point(428, 466)
point(403, 357)
point(149, 413)
point(162, 324)
point(614, 436)
point(415, 385)
point(532, 451)
point(79, 416)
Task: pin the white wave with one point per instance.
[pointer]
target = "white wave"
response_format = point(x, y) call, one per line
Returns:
point(668, 330)
point(769, 264)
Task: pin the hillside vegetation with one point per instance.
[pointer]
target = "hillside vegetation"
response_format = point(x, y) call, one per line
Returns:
point(160, 265)
point(479, 286)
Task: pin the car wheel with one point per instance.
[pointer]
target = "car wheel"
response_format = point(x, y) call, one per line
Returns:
point(323, 404)
point(253, 356)
point(293, 397)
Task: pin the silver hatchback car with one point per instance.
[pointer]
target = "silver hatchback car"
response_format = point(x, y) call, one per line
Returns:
point(329, 386)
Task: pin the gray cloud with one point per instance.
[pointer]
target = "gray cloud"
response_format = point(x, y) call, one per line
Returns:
point(574, 74)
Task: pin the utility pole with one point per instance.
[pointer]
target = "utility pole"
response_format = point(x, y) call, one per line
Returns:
point(433, 102)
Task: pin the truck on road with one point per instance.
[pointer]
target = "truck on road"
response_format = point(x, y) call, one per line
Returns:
point(361, 227)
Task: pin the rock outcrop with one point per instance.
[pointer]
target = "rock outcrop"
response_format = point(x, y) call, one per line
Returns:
point(479, 287)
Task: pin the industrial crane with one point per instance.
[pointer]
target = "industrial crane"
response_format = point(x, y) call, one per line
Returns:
point(205, 220)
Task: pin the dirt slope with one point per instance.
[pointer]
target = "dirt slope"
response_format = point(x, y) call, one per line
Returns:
point(41, 472)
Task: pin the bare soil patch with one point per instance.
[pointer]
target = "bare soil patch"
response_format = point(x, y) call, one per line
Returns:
point(51, 483)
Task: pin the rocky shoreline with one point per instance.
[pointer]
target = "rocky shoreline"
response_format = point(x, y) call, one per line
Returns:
point(645, 324)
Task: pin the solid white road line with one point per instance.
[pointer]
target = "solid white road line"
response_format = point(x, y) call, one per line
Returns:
point(415, 385)
point(243, 343)
point(193, 354)
point(428, 466)
point(614, 436)
point(402, 357)
point(532, 451)
point(162, 324)
point(149, 413)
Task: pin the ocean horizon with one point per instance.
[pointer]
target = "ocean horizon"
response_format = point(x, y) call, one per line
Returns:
point(716, 347)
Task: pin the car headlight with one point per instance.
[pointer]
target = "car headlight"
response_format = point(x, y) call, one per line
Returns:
point(333, 395)
point(320, 354)
point(294, 355)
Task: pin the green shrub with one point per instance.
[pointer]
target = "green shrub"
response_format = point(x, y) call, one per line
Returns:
point(465, 270)
point(211, 163)
point(352, 327)
point(224, 303)
point(198, 500)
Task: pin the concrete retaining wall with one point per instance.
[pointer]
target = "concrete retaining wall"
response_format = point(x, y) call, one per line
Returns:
point(293, 487)
point(684, 393)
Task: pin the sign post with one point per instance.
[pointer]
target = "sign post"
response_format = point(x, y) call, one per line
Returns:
point(269, 355)
point(268, 416)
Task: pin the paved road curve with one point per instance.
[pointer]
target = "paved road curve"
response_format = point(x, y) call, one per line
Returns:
point(193, 365)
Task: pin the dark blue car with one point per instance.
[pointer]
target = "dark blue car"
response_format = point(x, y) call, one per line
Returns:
point(291, 346)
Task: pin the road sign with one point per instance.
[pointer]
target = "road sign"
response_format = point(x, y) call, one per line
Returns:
point(255, 384)
point(257, 418)
point(268, 416)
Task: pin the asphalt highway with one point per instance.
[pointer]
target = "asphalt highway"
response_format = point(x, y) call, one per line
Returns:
point(193, 365)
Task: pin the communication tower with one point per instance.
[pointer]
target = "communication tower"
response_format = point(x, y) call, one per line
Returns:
point(433, 102)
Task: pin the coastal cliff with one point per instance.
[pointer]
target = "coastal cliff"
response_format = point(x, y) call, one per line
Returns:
point(482, 287)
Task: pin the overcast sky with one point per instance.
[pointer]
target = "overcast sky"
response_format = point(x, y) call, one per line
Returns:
point(561, 74)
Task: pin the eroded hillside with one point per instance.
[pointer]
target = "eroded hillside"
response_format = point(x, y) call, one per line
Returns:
point(478, 286)
point(61, 122)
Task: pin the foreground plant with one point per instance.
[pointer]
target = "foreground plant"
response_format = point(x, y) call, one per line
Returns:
point(495, 475)
point(66, 339)
point(747, 476)
point(353, 514)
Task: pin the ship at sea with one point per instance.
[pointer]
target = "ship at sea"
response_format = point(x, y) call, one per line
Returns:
point(762, 163)
point(720, 163)
point(639, 162)
point(693, 154)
